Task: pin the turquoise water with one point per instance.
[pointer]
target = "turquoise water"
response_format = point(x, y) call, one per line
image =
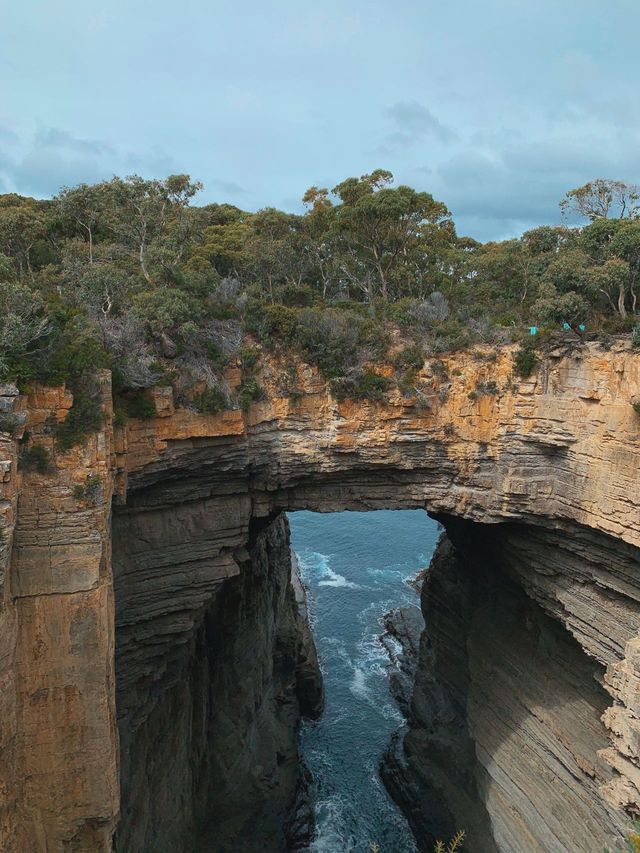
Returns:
point(355, 565)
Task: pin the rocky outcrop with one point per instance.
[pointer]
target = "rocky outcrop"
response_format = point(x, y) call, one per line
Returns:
point(401, 639)
point(554, 456)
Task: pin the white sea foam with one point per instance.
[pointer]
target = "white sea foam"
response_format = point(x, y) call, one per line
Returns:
point(359, 686)
point(331, 578)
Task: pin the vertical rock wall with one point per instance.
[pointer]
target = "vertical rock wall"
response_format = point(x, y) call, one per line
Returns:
point(56, 629)
point(506, 738)
point(208, 726)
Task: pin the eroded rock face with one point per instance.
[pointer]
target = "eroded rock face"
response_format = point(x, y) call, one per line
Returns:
point(557, 452)
point(505, 735)
point(209, 715)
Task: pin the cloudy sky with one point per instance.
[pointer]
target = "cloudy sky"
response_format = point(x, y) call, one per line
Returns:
point(496, 107)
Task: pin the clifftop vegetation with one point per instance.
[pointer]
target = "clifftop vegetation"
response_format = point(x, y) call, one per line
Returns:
point(130, 274)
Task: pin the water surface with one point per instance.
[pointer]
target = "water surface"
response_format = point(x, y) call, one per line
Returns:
point(356, 565)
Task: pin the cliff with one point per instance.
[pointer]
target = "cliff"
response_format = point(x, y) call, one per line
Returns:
point(543, 473)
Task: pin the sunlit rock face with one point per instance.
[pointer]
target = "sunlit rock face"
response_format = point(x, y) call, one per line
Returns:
point(547, 467)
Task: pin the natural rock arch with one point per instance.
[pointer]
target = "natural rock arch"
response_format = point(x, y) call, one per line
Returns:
point(541, 463)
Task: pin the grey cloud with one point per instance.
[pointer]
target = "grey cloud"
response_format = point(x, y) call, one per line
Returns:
point(501, 192)
point(416, 122)
point(229, 187)
point(54, 158)
point(53, 137)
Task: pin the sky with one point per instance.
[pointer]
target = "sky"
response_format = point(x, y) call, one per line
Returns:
point(496, 107)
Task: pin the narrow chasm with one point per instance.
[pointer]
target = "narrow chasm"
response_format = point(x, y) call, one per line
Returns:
point(357, 567)
point(282, 685)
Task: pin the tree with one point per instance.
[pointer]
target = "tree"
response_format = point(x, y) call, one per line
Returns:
point(553, 307)
point(86, 207)
point(379, 228)
point(600, 198)
point(22, 225)
point(275, 250)
point(223, 247)
point(22, 323)
point(140, 209)
point(612, 280)
point(626, 245)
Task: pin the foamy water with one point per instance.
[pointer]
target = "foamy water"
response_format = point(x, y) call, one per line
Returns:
point(356, 566)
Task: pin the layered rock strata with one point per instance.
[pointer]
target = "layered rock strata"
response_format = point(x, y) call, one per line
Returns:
point(208, 713)
point(506, 737)
point(557, 452)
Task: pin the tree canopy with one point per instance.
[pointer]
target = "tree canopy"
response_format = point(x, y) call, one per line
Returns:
point(131, 274)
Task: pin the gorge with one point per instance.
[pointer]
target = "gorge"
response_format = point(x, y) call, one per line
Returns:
point(154, 666)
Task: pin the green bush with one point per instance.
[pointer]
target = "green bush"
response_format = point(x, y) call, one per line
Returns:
point(486, 389)
point(84, 417)
point(297, 296)
point(90, 490)
point(9, 421)
point(36, 458)
point(279, 322)
point(249, 392)
point(524, 361)
point(140, 406)
point(364, 386)
point(410, 356)
point(328, 339)
point(210, 401)
point(407, 382)
point(249, 359)
point(215, 355)
point(635, 336)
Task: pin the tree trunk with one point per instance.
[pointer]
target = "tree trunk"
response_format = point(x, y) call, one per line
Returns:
point(621, 299)
point(142, 266)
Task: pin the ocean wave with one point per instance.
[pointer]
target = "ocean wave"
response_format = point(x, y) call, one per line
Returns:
point(331, 578)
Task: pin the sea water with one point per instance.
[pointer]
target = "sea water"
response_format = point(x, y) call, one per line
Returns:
point(356, 566)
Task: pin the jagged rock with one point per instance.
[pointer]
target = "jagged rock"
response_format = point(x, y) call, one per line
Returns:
point(403, 627)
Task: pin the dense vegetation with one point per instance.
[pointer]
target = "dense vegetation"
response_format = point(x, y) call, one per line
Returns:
point(129, 274)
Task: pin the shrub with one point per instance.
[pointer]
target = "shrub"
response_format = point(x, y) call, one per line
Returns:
point(36, 458)
point(249, 392)
point(407, 382)
point(410, 356)
point(210, 401)
point(298, 296)
point(10, 421)
point(279, 322)
point(90, 490)
point(329, 339)
point(486, 389)
point(364, 386)
point(216, 356)
point(635, 335)
point(140, 406)
point(524, 361)
point(439, 369)
point(120, 416)
point(454, 844)
point(249, 359)
point(85, 416)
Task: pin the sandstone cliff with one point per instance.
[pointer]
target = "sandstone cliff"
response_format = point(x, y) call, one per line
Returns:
point(544, 462)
